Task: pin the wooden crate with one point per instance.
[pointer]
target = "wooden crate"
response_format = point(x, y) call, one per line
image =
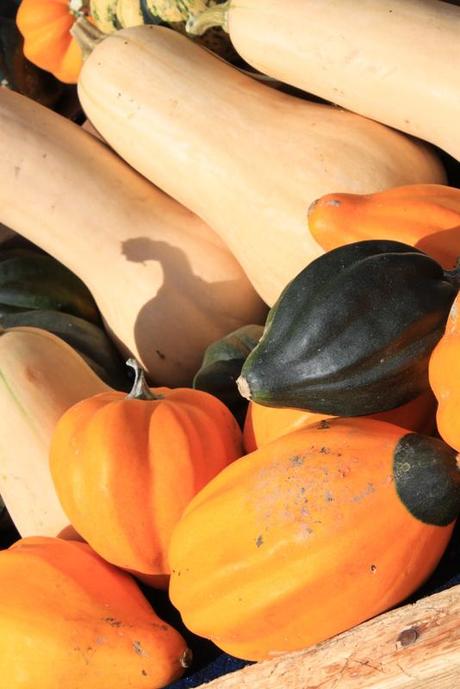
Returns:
point(416, 646)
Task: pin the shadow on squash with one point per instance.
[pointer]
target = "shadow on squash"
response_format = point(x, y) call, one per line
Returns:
point(207, 296)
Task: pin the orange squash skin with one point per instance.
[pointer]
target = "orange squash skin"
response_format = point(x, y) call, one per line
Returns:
point(300, 540)
point(69, 619)
point(45, 26)
point(264, 424)
point(125, 469)
point(444, 377)
point(426, 216)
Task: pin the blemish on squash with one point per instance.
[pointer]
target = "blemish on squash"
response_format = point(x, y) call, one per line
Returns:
point(160, 354)
point(328, 496)
point(367, 491)
point(324, 424)
point(31, 375)
point(324, 450)
point(373, 568)
point(259, 540)
point(334, 202)
point(137, 646)
point(297, 460)
point(143, 672)
point(112, 621)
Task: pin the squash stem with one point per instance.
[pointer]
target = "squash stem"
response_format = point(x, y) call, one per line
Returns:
point(213, 16)
point(243, 387)
point(87, 35)
point(140, 389)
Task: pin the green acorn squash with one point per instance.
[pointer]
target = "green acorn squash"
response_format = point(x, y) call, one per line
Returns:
point(30, 279)
point(221, 366)
point(352, 333)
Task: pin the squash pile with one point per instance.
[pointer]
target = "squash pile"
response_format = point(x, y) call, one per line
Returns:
point(229, 330)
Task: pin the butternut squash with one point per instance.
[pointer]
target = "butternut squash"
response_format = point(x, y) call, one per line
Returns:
point(163, 281)
point(40, 378)
point(395, 62)
point(246, 158)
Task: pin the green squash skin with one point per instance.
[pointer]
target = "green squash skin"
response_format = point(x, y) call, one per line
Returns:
point(353, 332)
point(221, 366)
point(32, 280)
point(427, 479)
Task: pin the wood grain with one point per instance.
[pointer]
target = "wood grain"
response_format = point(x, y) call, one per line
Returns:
point(416, 646)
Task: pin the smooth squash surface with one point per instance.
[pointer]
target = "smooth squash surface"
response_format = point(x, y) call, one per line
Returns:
point(164, 282)
point(247, 159)
point(264, 424)
point(126, 467)
point(40, 378)
point(395, 62)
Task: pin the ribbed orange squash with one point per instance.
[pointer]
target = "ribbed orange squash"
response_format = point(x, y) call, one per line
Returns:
point(423, 215)
point(263, 424)
point(444, 377)
point(45, 26)
point(69, 619)
point(125, 468)
point(312, 534)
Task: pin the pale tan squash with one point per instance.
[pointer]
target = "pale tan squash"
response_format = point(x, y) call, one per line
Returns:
point(397, 62)
point(246, 158)
point(40, 378)
point(164, 282)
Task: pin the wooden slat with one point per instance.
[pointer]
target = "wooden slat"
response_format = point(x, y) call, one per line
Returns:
point(413, 647)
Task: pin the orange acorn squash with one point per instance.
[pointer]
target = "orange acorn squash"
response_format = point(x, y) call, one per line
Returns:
point(263, 424)
point(125, 467)
point(312, 534)
point(69, 619)
point(444, 377)
point(45, 26)
point(426, 216)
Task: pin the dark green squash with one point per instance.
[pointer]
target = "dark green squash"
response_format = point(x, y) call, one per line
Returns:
point(353, 332)
point(221, 366)
point(30, 279)
point(8, 532)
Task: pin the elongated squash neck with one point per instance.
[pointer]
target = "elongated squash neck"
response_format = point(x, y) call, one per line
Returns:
point(87, 35)
point(213, 16)
point(140, 389)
